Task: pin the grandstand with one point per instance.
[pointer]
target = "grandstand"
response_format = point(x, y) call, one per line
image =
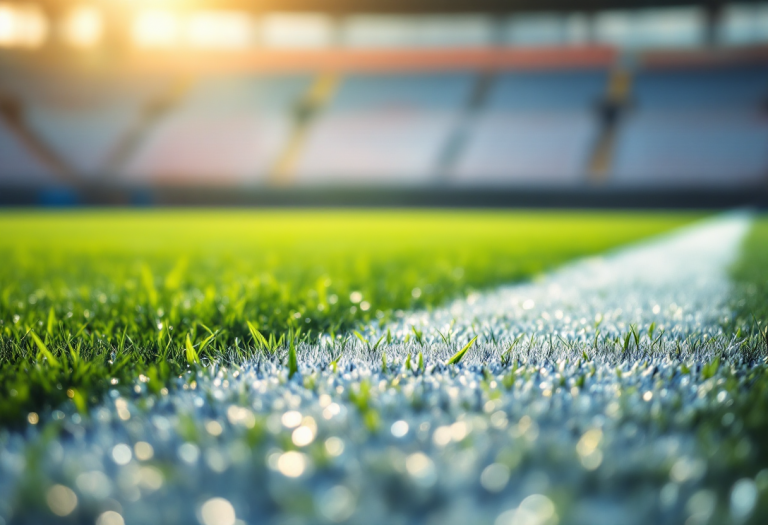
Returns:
point(384, 129)
point(647, 98)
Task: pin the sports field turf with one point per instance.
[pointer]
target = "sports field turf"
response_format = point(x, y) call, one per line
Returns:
point(750, 274)
point(317, 369)
point(112, 295)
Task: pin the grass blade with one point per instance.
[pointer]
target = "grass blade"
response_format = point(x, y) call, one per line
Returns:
point(258, 338)
point(362, 339)
point(51, 321)
point(192, 356)
point(44, 349)
point(419, 335)
point(458, 355)
point(206, 342)
point(293, 361)
point(375, 346)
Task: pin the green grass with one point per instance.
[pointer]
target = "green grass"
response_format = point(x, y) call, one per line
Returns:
point(86, 297)
point(750, 274)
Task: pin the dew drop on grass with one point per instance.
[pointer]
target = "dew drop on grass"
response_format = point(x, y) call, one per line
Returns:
point(336, 504)
point(334, 446)
point(743, 498)
point(94, 483)
point(213, 427)
point(61, 500)
point(399, 428)
point(143, 450)
point(292, 464)
point(291, 419)
point(303, 436)
point(121, 454)
point(189, 452)
point(421, 468)
point(495, 477)
point(110, 517)
point(217, 511)
point(647, 396)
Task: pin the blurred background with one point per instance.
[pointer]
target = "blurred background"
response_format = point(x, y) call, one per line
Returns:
point(594, 102)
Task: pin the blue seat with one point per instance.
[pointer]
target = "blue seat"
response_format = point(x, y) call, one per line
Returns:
point(548, 90)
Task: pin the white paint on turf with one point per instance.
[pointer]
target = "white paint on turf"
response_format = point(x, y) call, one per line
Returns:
point(678, 281)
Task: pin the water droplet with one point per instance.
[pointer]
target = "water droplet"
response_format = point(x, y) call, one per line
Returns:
point(399, 428)
point(61, 500)
point(334, 446)
point(303, 436)
point(743, 498)
point(292, 464)
point(217, 511)
point(337, 504)
point(494, 477)
point(110, 518)
point(121, 454)
point(291, 419)
point(143, 450)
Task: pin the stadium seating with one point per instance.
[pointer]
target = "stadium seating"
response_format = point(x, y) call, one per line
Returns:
point(19, 166)
point(695, 127)
point(80, 119)
point(495, 118)
point(528, 149)
point(536, 128)
point(382, 130)
point(694, 88)
point(548, 91)
point(83, 137)
point(664, 149)
point(225, 131)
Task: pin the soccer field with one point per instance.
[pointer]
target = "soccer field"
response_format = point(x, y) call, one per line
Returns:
point(141, 282)
point(383, 367)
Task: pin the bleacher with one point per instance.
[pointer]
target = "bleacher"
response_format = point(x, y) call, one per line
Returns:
point(536, 128)
point(224, 131)
point(695, 126)
point(20, 166)
point(384, 129)
point(407, 102)
point(82, 120)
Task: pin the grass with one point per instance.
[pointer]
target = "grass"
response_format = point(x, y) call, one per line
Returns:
point(222, 302)
point(92, 299)
point(750, 274)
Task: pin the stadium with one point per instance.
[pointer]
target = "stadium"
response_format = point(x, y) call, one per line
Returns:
point(355, 261)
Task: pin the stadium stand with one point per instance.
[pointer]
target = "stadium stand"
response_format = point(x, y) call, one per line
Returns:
point(536, 128)
point(383, 130)
point(81, 119)
point(83, 137)
point(696, 126)
point(19, 166)
point(639, 96)
point(225, 131)
point(701, 87)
